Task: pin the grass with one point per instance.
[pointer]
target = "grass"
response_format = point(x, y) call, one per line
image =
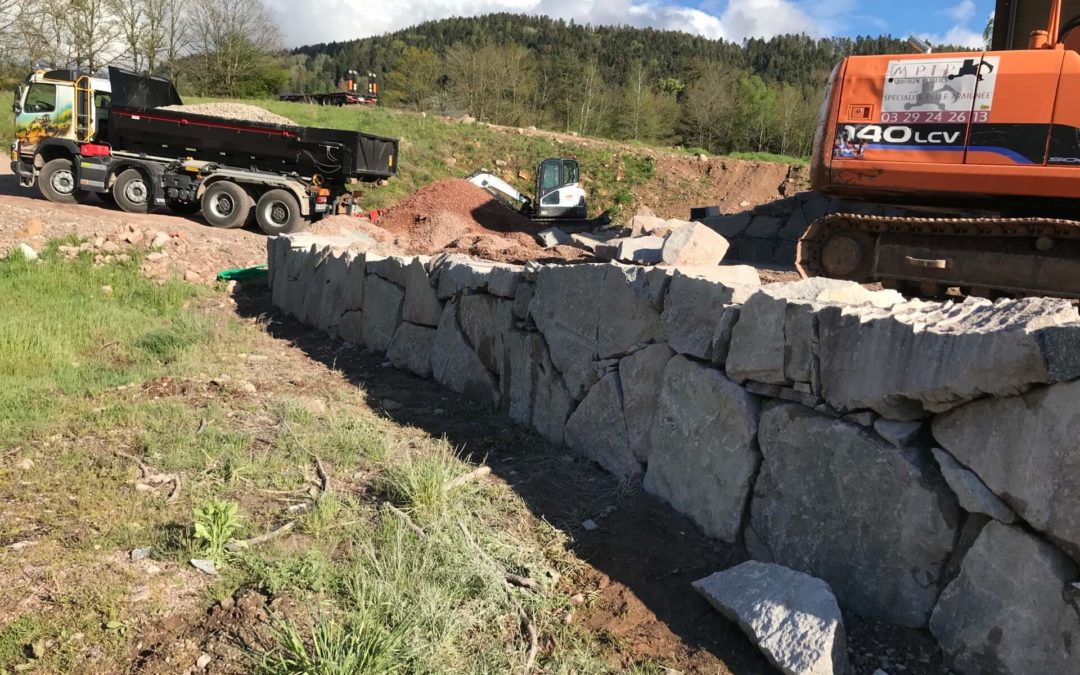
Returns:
point(152, 370)
point(770, 157)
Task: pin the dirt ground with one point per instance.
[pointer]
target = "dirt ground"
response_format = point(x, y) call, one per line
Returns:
point(639, 562)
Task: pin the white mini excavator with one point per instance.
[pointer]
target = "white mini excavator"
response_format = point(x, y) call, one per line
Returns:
point(559, 195)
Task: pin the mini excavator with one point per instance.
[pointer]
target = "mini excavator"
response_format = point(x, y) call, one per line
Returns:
point(983, 147)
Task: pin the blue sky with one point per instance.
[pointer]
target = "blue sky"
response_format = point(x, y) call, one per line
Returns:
point(944, 21)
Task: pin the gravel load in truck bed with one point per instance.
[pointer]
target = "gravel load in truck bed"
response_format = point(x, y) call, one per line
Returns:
point(233, 111)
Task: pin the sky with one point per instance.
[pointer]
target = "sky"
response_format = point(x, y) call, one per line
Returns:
point(939, 21)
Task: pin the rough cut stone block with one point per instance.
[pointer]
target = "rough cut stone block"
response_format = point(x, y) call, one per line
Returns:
point(972, 493)
point(332, 302)
point(721, 340)
point(642, 225)
point(313, 285)
point(485, 321)
point(957, 352)
point(765, 227)
point(391, 268)
point(693, 308)
point(641, 374)
point(454, 364)
point(504, 280)
point(411, 349)
point(775, 340)
point(353, 299)
point(421, 304)
point(537, 395)
point(351, 327)
point(694, 244)
point(728, 227)
point(1007, 613)
point(703, 454)
point(1026, 449)
point(795, 227)
point(383, 303)
point(522, 299)
point(597, 429)
point(592, 312)
point(456, 274)
point(790, 616)
point(639, 250)
point(901, 434)
point(552, 237)
point(836, 501)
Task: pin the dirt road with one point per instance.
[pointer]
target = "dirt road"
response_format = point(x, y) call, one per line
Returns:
point(195, 251)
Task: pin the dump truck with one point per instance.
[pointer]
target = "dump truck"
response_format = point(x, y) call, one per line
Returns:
point(121, 139)
point(982, 148)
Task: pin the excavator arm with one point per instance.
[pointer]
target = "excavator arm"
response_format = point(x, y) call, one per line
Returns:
point(502, 191)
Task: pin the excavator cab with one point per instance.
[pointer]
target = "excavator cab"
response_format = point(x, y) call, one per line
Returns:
point(558, 190)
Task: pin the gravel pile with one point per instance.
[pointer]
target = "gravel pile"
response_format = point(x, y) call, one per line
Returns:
point(233, 111)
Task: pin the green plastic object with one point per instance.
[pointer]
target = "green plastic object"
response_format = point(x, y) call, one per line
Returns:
point(243, 273)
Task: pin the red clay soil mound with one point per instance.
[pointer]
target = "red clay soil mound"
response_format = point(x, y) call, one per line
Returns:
point(455, 215)
point(446, 210)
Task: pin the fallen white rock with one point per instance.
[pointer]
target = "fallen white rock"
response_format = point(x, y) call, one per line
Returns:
point(791, 617)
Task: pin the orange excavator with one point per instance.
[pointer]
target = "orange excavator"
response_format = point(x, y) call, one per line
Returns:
point(981, 150)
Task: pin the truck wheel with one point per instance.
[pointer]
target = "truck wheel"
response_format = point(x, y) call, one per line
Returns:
point(227, 205)
point(278, 212)
point(57, 182)
point(131, 192)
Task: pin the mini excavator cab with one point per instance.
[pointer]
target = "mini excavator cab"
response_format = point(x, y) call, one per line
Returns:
point(558, 190)
point(1027, 24)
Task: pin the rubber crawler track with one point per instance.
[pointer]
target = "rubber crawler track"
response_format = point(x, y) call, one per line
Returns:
point(930, 231)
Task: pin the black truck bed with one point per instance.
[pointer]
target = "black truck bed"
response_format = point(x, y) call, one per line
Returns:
point(137, 124)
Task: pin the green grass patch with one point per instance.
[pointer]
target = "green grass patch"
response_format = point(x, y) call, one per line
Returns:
point(73, 330)
point(145, 370)
point(770, 157)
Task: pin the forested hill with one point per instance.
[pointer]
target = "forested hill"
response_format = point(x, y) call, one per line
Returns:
point(615, 81)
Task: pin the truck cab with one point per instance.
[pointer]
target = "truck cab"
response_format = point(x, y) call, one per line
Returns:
point(60, 104)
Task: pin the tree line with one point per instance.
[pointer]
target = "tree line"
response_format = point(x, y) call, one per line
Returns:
point(636, 84)
point(216, 47)
point(621, 82)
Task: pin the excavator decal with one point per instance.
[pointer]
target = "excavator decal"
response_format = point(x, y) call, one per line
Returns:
point(920, 87)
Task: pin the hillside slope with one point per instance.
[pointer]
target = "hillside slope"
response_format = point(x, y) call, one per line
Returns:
point(620, 177)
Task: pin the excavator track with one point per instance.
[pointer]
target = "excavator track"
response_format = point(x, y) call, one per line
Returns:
point(987, 257)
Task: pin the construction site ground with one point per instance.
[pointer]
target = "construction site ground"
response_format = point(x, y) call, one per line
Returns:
point(252, 401)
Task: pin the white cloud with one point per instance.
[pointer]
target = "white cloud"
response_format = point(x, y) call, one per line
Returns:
point(336, 20)
point(959, 36)
point(961, 12)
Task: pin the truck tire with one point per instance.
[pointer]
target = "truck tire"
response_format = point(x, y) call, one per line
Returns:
point(131, 192)
point(278, 212)
point(226, 205)
point(57, 182)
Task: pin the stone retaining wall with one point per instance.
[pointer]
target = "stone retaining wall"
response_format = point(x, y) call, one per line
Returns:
point(923, 458)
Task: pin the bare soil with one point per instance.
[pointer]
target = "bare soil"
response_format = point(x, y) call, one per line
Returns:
point(680, 183)
point(456, 216)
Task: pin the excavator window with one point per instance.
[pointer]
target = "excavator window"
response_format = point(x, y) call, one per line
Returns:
point(571, 172)
point(41, 98)
point(549, 177)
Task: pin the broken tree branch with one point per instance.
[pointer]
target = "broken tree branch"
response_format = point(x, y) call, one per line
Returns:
point(471, 476)
point(530, 628)
point(235, 546)
point(324, 479)
point(151, 477)
point(404, 517)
